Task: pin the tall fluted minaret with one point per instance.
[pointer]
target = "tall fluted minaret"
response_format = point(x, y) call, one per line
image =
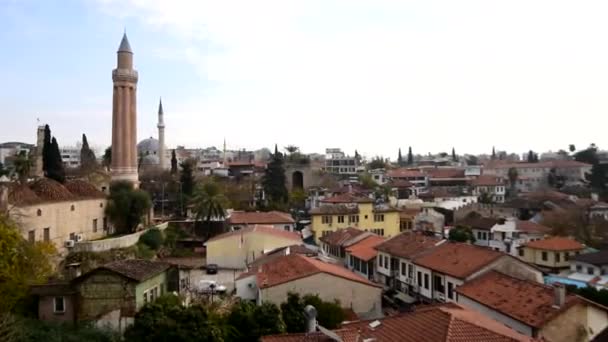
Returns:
point(161, 137)
point(124, 116)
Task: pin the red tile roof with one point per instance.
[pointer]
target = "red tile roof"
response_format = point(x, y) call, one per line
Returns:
point(347, 198)
point(458, 260)
point(405, 173)
point(364, 249)
point(545, 164)
point(526, 301)
point(296, 266)
point(556, 244)
point(532, 227)
point(445, 323)
point(260, 229)
point(487, 180)
point(335, 209)
point(258, 217)
point(341, 236)
point(439, 173)
point(347, 335)
point(408, 244)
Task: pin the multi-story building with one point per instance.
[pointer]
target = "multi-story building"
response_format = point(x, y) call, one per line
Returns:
point(416, 177)
point(508, 235)
point(70, 156)
point(552, 254)
point(279, 220)
point(46, 210)
point(492, 186)
point(361, 255)
point(430, 220)
point(9, 150)
point(338, 163)
point(348, 210)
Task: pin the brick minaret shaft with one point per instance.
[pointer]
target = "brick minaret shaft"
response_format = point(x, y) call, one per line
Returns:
point(124, 116)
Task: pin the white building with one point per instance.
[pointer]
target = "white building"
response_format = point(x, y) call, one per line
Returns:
point(70, 156)
point(493, 186)
point(508, 235)
point(11, 149)
point(338, 163)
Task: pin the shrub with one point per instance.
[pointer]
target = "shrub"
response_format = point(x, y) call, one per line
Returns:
point(153, 238)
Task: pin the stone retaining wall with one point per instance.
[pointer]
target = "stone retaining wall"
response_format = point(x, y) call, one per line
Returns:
point(113, 243)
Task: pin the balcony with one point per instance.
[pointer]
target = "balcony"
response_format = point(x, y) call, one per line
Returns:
point(440, 296)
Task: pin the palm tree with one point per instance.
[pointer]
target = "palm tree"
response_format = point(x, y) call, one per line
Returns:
point(208, 203)
point(23, 165)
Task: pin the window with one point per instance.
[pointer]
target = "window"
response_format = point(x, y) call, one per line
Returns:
point(379, 218)
point(39, 212)
point(366, 217)
point(557, 257)
point(478, 235)
point(579, 268)
point(419, 278)
point(357, 264)
point(589, 270)
point(145, 297)
point(325, 219)
point(59, 305)
point(105, 223)
point(72, 208)
point(363, 267)
point(72, 236)
point(521, 252)
point(341, 219)
point(287, 227)
point(94, 225)
point(353, 219)
point(426, 281)
point(450, 290)
point(544, 256)
point(410, 270)
point(31, 236)
point(566, 256)
point(101, 205)
point(47, 234)
point(403, 269)
point(378, 231)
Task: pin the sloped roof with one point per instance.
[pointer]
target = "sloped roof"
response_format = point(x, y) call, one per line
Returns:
point(341, 236)
point(364, 249)
point(347, 197)
point(296, 266)
point(457, 259)
point(257, 217)
point(347, 335)
point(440, 173)
point(597, 258)
point(557, 243)
point(440, 323)
point(136, 269)
point(408, 244)
point(526, 301)
point(532, 227)
point(487, 180)
point(334, 209)
point(405, 173)
point(83, 189)
point(50, 190)
point(483, 223)
point(260, 229)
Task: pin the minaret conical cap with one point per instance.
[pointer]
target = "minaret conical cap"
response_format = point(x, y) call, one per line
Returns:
point(124, 44)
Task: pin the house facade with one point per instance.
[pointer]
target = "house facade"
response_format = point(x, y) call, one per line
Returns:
point(344, 211)
point(361, 256)
point(551, 254)
point(278, 219)
point(492, 186)
point(63, 214)
point(509, 235)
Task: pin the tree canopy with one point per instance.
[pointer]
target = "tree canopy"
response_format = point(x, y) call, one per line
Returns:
point(209, 202)
point(410, 156)
point(173, 163)
point(187, 177)
point(274, 180)
point(52, 164)
point(461, 234)
point(88, 161)
point(376, 163)
point(127, 206)
point(329, 314)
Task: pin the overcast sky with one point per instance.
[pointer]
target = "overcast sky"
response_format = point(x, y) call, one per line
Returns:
point(367, 75)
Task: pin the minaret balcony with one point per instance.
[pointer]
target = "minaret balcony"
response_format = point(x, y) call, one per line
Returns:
point(124, 75)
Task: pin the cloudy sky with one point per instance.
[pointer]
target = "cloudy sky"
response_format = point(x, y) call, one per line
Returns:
point(367, 75)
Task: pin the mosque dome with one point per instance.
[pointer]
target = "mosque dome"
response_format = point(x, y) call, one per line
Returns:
point(148, 145)
point(150, 159)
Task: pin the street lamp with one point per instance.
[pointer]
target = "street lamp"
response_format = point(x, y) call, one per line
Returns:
point(212, 287)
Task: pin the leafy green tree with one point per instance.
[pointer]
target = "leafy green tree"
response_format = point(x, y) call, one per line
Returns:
point(88, 161)
point(107, 158)
point(376, 163)
point(292, 149)
point(173, 163)
point(513, 177)
point(297, 199)
point(598, 177)
point(572, 148)
point(461, 234)
point(293, 313)
point(250, 322)
point(485, 198)
point(329, 314)
point(127, 206)
point(168, 321)
point(209, 203)
point(472, 160)
point(366, 181)
point(22, 264)
point(23, 165)
point(55, 168)
point(410, 156)
point(532, 157)
point(591, 293)
point(34, 330)
point(273, 180)
point(153, 238)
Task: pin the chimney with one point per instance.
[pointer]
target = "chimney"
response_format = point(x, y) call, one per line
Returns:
point(560, 295)
point(311, 319)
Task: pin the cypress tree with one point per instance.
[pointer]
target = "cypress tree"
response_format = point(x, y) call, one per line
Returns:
point(173, 163)
point(454, 158)
point(400, 158)
point(273, 180)
point(88, 161)
point(493, 153)
point(410, 156)
point(56, 170)
point(46, 150)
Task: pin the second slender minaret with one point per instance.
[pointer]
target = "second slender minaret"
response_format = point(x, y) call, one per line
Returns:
point(124, 116)
point(161, 137)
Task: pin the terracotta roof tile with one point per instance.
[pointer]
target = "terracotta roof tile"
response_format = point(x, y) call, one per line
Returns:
point(532, 227)
point(526, 301)
point(483, 223)
point(257, 217)
point(444, 323)
point(83, 189)
point(597, 258)
point(20, 194)
point(439, 173)
point(335, 209)
point(364, 249)
point(405, 173)
point(556, 244)
point(457, 259)
point(51, 190)
point(296, 266)
point(260, 229)
point(347, 335)
point(341, 236)
point(487, 180)
point(347, 198)
point(408, 244)
point(136, 269)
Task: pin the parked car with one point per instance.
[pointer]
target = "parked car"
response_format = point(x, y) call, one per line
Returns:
point(212, 269)
point(209, 286)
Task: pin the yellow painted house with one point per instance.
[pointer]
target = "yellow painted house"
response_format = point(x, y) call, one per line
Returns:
point(237, 249)
point(347, 210)
point(553, 253)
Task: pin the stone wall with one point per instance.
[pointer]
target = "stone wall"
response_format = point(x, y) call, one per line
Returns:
point(487, 210)
point(113, 243)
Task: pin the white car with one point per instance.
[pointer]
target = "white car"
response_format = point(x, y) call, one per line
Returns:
point(208, 286)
